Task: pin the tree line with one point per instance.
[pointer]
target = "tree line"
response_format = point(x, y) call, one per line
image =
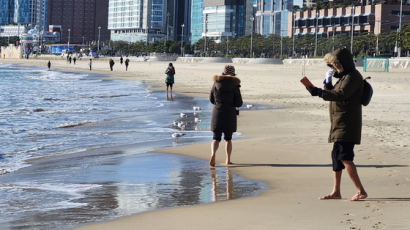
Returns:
point(273, 46)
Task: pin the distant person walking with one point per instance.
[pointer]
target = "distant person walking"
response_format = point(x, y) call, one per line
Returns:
point(226, 96)
point(111, 64)
point(49, 65)
point(169, 80)
point(127, 62)
point(121, 60)
point(74, 60)
point(69, 59)
point(90, 63)
point(345, 116)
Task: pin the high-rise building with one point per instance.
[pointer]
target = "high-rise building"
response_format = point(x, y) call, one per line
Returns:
point(137, 20)
point(81, 21)
point(4, 12)
point(272, 16)
point(23, 12)
point(197, 21)
point(226, 18)
point(38, 13)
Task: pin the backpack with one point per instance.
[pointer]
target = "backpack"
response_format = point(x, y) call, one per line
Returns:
point(367, 92)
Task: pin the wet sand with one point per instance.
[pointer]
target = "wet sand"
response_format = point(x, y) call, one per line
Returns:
point(288, 150)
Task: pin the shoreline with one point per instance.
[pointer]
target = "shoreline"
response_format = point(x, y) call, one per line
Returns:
point(288, 150)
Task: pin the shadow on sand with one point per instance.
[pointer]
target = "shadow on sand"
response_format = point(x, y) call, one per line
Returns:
point(307, 165)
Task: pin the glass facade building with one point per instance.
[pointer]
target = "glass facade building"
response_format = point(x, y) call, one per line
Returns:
point(272, 16)
point(137, 20)
point(4, 12)
point(224, 20)
point(196, 20)
point(21, 12)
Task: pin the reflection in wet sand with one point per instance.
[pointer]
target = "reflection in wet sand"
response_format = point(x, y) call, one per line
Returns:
point(228, 184)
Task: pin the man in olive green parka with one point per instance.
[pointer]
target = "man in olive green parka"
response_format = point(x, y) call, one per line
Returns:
point(345, 117)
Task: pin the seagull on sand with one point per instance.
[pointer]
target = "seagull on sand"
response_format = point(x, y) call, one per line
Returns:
point(182, 115)
point(177, 135)
point(249, 106)
point(197, 120)
point(196, 108)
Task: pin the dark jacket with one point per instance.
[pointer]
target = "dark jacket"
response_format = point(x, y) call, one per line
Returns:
point(170, 72)
point(226, 96)
point(345, 96)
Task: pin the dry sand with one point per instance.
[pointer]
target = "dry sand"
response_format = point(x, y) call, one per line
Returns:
point(287, 149)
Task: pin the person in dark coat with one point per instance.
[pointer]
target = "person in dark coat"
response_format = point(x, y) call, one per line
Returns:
point(169, 80)
point(90, 63)
point(49, 65)
point(74, 60)
point(127, 62)
point(345, 116)
point(111, 64)
point(226, 96)
point(121, 60)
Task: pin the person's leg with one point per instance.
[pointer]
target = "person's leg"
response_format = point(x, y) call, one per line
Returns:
point(214, 146)
point(335, 194)
point(171, 93)
point(228, 150)
point(167, 92)
point(337, 173)
point(352, 171)
point(228, 147)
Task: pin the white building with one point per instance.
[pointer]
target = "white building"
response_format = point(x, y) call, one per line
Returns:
point(12, 30)
point(137, 20)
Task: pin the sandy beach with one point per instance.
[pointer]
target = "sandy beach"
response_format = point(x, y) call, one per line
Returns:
point(287, 149)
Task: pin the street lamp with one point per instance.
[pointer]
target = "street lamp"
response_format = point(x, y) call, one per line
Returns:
point(251, 52)
point(293, 34)
point(98, 45)
point(182, 40)
point(206, 28)
point(68, 41)
point(352, 28)
point(168, 14)
point(317, 20)
point(398, 49)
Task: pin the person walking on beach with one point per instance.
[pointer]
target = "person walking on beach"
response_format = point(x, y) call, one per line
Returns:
point(74, 60)
point(111, 63)
point(127, 62)
point(121, 60)
point(345, 116)
point(226, 96)
point(49, 64)
point(169, 80)
point(90, 63)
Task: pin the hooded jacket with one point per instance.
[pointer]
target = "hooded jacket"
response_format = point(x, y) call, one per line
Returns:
point(226, 96)
point(345, 99)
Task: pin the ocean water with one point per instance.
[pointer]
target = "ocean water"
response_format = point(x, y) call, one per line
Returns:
point(78, 150)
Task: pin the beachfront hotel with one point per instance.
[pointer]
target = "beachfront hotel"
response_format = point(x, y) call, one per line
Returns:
point(80, 21)
point(223, 19)
point(381, 18)
point(272, 16)
point(137, 20)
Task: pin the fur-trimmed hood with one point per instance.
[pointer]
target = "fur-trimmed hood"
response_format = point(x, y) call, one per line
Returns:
point(342, 60)
point(219, 78)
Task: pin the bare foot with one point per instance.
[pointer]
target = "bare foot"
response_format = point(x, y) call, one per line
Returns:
point(332, 196)
point(359, 196)
point(229, 163)
point(212, 161)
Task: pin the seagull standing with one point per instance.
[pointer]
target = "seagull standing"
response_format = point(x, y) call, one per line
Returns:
point(177, 135)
